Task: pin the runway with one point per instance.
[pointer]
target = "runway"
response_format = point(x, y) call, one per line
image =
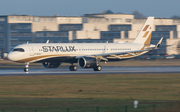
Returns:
point(80, 71)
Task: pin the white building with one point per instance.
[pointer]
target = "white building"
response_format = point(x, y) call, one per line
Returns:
point(100, 27)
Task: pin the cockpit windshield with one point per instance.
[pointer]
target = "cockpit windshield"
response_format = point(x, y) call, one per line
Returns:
point(19, 49)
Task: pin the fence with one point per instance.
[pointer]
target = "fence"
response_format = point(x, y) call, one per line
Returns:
point(117, 108)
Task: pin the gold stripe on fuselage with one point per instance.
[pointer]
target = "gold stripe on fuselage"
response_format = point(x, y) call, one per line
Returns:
point(41, 57)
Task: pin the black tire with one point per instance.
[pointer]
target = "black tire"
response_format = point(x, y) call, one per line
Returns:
point(73, 68)
point(26, 69)
point(97, 68)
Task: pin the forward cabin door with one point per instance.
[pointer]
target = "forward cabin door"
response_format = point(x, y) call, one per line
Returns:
point(31, 51)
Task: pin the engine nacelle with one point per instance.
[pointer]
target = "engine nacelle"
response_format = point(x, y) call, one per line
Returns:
point(87, 62)
point(51, 64)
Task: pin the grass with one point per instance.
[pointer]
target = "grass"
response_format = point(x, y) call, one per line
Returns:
point(112, 91)
point(55, 91)
point(112, 86)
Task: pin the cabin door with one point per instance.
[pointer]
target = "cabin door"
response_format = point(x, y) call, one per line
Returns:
point(31, 51)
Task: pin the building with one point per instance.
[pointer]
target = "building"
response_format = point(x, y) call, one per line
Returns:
point(101, 27)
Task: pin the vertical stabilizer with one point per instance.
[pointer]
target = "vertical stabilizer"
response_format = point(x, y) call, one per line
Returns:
point(144, 36)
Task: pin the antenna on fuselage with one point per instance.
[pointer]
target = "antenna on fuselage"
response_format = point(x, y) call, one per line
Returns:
point(47, 41)
point(106, 41)
point(27, 42)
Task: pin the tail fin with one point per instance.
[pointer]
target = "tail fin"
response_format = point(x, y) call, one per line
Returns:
point(144, 36)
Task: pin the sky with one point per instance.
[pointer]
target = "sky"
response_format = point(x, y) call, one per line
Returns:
point(157, 8)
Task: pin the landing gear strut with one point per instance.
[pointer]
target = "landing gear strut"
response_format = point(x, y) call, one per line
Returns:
point(97, 68)
point(73, 68)
point(26, 67)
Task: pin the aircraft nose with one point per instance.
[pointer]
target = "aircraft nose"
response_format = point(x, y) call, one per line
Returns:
point(11, 57)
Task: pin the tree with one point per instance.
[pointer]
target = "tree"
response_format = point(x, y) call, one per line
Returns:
point(175, 17)
point(137, 14)
point(108, 12)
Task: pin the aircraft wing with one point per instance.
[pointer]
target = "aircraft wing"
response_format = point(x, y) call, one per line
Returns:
point(110, 54)
point(115, 54)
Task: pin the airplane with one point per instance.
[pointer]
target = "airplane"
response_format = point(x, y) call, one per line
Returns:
point(87, 55)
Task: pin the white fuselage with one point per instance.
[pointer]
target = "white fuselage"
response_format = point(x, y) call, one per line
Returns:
point(37, 52)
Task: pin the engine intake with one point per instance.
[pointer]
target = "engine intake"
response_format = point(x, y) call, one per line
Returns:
point(51, 64)
point(87, 62)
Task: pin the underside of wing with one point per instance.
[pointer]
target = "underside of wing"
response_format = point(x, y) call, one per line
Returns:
point(118, 55)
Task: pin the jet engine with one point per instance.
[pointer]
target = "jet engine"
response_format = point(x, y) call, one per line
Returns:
point(51, 64)
point(87, 62)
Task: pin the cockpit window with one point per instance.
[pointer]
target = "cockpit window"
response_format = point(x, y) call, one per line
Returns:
point(19, 49)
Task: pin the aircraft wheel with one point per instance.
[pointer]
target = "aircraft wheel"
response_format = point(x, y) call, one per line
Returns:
point(73, 68)
point(97, 68)
point(26, 69)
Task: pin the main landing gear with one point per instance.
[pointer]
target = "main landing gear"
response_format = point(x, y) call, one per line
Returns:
point(73, 68)
point(26, 67)
point(97, 68)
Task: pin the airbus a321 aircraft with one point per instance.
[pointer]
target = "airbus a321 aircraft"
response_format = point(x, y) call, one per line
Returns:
point(87, 55)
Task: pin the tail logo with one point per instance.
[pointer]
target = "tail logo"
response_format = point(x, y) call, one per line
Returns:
point(146, 27)
point(145, 34)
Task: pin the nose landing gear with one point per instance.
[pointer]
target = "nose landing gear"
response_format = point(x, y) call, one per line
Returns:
point(26, 67)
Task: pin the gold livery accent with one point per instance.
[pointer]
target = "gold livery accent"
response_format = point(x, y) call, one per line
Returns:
point(40, 57)
point(145, 34)
point(148, 41)
point(129, 55)
point(146, 27)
